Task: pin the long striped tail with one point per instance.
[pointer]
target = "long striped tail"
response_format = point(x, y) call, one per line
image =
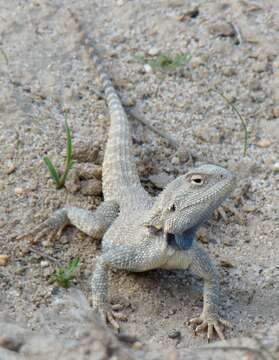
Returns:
point(120, 176)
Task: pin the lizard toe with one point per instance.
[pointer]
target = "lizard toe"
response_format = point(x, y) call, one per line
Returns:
point(111, 317)
point(212, 323)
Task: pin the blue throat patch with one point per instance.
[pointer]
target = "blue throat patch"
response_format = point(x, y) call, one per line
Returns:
point(184, 240)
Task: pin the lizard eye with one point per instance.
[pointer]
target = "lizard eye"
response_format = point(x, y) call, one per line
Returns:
point(197, 180)
point(172, 208)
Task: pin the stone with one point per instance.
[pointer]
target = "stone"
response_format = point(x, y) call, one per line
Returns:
point(221, 28)
point(275, 167)
point(275, 112)
point(147, 68)
point(153, 51)
point(19, 191)
point(264, 143)
point(226, 263)
point(228, 71)
point(202, 236)
point(44, 263)
point(4, 260)
point(91, 187)
point(193, 13)
point(259, 67)
point(174, 334)
point(10, 169)
point(85, 150)
point(254, 84)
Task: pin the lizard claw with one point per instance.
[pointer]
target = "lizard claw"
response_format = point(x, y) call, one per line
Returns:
point(110, 316)
point(211, 323)
point(52, 228)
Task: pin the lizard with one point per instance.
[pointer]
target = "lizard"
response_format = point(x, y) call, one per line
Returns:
point(140, 232)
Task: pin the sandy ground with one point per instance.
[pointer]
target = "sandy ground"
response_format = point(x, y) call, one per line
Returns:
point(234, 47)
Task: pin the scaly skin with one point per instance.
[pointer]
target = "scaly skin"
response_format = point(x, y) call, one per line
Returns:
point(149, 232)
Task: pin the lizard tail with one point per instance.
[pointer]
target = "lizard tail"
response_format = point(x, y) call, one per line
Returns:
point(119, 170)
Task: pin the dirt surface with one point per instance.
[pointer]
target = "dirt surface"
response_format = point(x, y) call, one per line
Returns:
point(233, 47)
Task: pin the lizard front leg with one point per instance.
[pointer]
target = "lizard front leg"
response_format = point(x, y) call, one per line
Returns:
point(209, 318)
point(140, 257)
point(99, 294)
point(93, 224)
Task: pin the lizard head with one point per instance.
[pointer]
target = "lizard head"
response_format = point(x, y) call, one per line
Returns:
point(188, 201)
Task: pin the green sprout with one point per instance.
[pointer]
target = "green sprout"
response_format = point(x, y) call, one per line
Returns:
point(241, 118)
point(165, 62)
point(63, 276)
point(60, 179)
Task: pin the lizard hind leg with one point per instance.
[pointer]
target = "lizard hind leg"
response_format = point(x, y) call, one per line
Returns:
point(93, 224)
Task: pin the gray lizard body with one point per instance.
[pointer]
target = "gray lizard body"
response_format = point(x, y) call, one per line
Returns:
point(141, 232)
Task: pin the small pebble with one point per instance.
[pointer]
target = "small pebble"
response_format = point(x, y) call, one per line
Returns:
point(228, 71)
point(174, 334)
point(264, 143)
point(153, 51)
point(254, 84)
point(201, 236)
point(91, 187)
point(147, 68)
point(85, 150)
point(175, 160)
point(117, 307)
point(221, 29)
point(183, 154)
point(137, 345)
point(275, 167)
point(275, 112)
point(196, 62)
point(10, 343)
point(4, 260)
point(44, 263)
point(193, 13)
point(226, 263)
point(258, 67)
point(20, 270)
point(19, 191)
point(228, 241)
point(10, 169)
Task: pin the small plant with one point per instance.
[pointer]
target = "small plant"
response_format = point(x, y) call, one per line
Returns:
point(63, 276)
point(57, 178)
point(165, 62)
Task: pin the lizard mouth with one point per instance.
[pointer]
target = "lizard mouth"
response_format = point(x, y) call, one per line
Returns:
point(183, 241)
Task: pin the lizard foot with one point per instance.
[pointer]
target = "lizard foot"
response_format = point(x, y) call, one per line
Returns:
point(210, 322)
point(52, 228)
point(110, 316)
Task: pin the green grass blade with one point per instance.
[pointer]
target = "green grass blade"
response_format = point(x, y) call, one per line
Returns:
point(69, 161)
point(69, 143)
point(73, 265)
point(63, 276)
point(52, 170)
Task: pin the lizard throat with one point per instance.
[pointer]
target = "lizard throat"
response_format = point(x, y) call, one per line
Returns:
point(183, 241)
